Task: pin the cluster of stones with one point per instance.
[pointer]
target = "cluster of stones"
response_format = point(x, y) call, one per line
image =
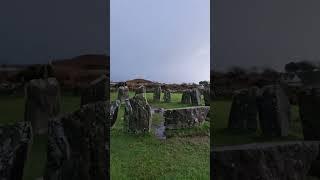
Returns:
point(272, 105)
point(78, 143)
point(186, 97)
point(15, 142)
point(192, 97)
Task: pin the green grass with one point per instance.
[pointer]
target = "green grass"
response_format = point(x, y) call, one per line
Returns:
point(183, 156)
point(224, 136)
point(12, 110)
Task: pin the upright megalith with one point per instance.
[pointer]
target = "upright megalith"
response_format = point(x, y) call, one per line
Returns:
point(42, 103)
point(167, 96)
point(274, 111)
point(137, 116)
point(264, 161)
point(123, 93)
point(141, 91)
point(114, 108)
point(185, 117)
point(309, 102)
point(78, 144)
point(15, 142)
point(96, 91)
point(157, 93)
point(244, 110)
point(186, 97)
point(195, 97)
point(206, 96)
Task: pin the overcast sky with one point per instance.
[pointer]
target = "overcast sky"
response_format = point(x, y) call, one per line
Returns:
point(160, 40)
point(265, 33)
point(34, 31)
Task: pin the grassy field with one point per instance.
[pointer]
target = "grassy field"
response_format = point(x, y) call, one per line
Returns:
point(183, 156)
point(223, 136)
point(12, 110)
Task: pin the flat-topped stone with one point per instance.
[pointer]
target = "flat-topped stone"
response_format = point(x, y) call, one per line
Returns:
point(264, 161)
point(185, 117)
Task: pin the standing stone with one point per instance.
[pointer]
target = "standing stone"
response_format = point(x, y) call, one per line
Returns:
point(42, 103)
point(15, 142)
point(274, 111)
point(186, 97)
point(309, 102)
point(157, 94)
point(123, 93)
point(78, 144)
point(141, 91)
point(167, 96)
point(137, 116)
point(195, 97)
point(185, 117)
point(96, 91)
point(206, 96)
point(114, 108)
point(243, 113)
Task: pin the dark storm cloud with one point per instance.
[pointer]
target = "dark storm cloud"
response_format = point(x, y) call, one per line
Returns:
point(264, 33)
point(34, 31)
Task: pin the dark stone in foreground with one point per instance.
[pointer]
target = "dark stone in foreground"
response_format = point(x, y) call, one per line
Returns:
point(15, 141)
point(244, 110)
point(185, 117)
point(78, 144)
point(114, 108)
point(274, 111)
point(137, 115)
point(95, 92)
point(42, 103)
point(264, 161)
point(309, 102)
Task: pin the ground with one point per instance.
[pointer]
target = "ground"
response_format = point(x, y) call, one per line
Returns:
point(183, 156)
point(223, 136)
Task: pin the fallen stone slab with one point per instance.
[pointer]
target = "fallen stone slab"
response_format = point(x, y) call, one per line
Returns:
point(185, 117)
point(15, 142)
point(264, 161)
point(78, 144)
